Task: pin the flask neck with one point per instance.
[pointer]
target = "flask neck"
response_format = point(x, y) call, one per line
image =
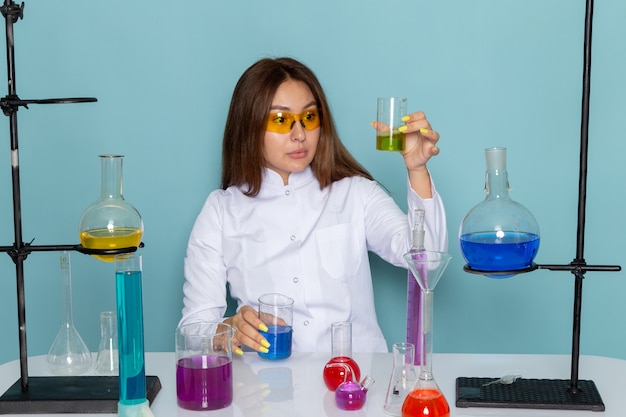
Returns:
point(341, 339)
point(403, 354)
point(497, 184)
point(107, 324)
point(111, 176)
point(66, 290)
point(426, 355)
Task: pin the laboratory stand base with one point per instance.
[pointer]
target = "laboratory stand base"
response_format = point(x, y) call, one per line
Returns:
point(69, 394)
point(554, 394)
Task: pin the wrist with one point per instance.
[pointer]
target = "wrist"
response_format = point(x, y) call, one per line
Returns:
point(419, 179)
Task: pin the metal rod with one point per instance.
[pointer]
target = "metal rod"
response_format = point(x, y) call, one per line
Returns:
point(578, 291)
point(584, 134)
point(25, 250)
point(11, 13)
point(573, 267)
point(582, 197)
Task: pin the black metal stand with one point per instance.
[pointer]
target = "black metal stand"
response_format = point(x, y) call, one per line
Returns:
point(80, 394)
point(551, 393)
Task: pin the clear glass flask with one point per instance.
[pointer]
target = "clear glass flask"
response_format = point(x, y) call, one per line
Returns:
point(498, 236)
point(110, 222)
point(402, 378)
point(426, 399)
point(341, 353)
point(107, 362)
point(68, 355)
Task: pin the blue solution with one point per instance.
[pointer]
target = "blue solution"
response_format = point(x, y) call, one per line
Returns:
point(279, 338)
point(485, 251)
point(132, 380)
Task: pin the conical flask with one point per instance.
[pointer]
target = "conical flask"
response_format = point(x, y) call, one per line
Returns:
point(68, 355)
point(110, 222)
point(426, 399)
point(402, 378)
point(107, 359)
point(498, 236)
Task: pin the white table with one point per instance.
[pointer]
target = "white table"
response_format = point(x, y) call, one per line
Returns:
point(294, 387)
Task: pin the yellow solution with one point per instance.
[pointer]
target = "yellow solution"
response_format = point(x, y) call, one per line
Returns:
point(118, 237)
point(390, 141)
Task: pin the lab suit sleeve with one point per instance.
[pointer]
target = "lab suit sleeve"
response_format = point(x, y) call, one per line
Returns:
point(388, 229)
point(204, 289)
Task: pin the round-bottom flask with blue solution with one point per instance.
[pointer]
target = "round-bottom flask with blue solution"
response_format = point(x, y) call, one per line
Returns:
point(499, 237)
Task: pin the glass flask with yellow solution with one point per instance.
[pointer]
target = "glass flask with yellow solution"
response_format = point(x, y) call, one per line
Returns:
point(110, 223)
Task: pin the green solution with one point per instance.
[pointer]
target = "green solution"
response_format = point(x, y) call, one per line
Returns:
point(390, 141)
point(132, 380)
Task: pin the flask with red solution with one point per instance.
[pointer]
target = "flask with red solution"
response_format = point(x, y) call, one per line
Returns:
point(341, 352)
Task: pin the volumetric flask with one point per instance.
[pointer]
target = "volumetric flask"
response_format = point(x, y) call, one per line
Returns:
point(68, 355)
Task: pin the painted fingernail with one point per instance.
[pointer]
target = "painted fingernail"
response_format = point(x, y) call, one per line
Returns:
point(402, 128)
point(422, 130)
point(265, 343)
point(239, 351)
point(435, 150)
point(263, 327)
point(406, 118)
point(263, 349)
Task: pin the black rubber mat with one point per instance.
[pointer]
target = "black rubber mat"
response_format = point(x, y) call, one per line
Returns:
point(528, 393)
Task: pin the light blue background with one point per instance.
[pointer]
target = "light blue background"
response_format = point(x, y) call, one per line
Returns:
point(487, 72)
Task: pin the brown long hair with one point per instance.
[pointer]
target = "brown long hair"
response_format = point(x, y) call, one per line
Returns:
point(242, 148)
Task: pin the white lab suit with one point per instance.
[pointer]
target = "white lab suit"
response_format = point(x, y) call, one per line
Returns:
point(307, 243)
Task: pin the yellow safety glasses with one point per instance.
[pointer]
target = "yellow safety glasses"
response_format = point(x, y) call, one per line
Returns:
point(283, 122)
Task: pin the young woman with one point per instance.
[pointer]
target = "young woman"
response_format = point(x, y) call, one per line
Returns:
point(297, 215)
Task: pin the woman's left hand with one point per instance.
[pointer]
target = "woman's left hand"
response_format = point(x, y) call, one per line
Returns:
point(420, 146)
point(421, 141)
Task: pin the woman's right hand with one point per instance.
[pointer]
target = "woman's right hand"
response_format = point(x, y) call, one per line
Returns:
point(247, 324)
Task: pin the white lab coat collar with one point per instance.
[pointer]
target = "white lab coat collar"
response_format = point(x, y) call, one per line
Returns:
point(272, 180)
